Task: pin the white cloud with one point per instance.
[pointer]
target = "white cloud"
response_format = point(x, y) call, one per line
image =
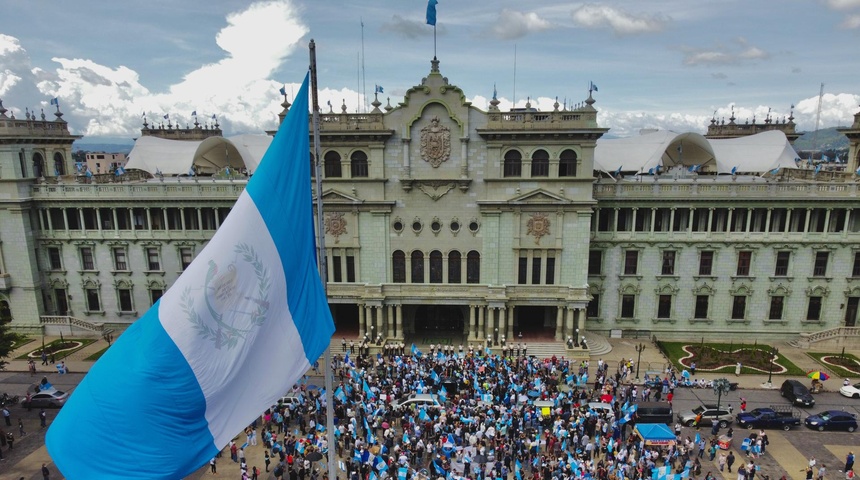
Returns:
point(851, 21)
point(411, 29)
point(239, 88)
point(512, 24)
point(843, 4)
point(724, 54)
point(836, 109)
point(596, 16)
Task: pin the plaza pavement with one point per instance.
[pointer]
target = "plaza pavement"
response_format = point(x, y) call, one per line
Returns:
point(782, 454)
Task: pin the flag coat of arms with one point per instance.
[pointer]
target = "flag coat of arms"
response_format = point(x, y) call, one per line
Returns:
point(195, 369)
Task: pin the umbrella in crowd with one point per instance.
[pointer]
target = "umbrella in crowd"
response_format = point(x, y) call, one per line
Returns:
point(818, 375)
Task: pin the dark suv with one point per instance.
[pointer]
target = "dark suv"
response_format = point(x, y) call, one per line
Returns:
point(797, 393)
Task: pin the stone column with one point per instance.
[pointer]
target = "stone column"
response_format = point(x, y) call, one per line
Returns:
point(510, 333)
point(559, 321)
point(569, 321)
point(479, 334)
point(390, 320)
point(491, 313)
point(502, 319)
point(399, 320)
point(471, 322)
point(362, 327)
point(580, 320)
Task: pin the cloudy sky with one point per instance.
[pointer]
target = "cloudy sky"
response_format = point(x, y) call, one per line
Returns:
point(657, 63)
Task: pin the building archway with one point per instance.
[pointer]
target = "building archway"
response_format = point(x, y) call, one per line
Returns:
point(535, 323)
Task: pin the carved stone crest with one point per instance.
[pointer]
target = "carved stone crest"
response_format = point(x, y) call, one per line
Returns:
point(335, 225)
point(435, 189)
point(435, 143)
point(538, 226)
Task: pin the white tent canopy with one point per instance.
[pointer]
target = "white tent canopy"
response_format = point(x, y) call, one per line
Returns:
point(176, 157)
point(645, 153)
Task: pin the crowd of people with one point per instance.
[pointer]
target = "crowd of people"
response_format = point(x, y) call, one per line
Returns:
point(497, 417)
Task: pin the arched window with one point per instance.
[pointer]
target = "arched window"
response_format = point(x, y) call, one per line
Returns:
point(358, 164)
point(417, 266)
point(540, 164)
point(454, 259)
point(5, 312)
point(513, 164)
point(435, 266)
point(473, 267)
point(59, 164)
point(38, 165)
point(398, 266)
point(567, 164)
point(332, 165)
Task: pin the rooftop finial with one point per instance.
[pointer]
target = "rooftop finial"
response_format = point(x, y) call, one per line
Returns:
point(2, 109)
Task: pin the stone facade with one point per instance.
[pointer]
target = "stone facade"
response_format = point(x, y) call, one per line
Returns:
point(441, 217)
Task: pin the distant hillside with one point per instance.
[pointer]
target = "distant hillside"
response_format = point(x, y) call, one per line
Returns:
point(827, 139)
point(103, 147)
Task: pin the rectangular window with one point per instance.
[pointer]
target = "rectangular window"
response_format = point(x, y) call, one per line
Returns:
point(155, 294)
point(523, 270)
point(668, 263)
point(550, 270)
point(93, 302)
point(152, 259)
point(87, 262)
point(185, 257)
point(628, 306)
point(350, 269)
point(701, 306)
point(775, 312)
point(536, 263)
point(595, 262)
point(855, 269)
point(664, 306)
point(706, 262)
point(781, 268)
point(744, 262)
point(62, 301)
point(739, 307)
point(631, 262)
point(56, 262)
point(593, 309)
point(124, 300)
point(813, 312)
point(336, 274)
point(820, 267)
point(119, 259)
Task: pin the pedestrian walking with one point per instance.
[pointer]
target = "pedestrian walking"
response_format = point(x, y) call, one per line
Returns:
point(44, 357)
point(10, 440)
point(730, 460)
point(738, 369)
point(849, 461)
point(21, 432)
point(43, 417)
point(212, 466)
point(722, 461)
point(7, 417)
point(46, 474)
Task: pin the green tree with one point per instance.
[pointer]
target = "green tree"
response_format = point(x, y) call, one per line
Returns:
point(7, 341)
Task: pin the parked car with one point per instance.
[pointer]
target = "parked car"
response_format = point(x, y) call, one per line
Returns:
point(832, 420)
point(654, 412)
point(420, 400)
point(290, 400)
point(851, 391)
point(710, 414)
point(773, 417)
point(46, 399)
point(797, 393)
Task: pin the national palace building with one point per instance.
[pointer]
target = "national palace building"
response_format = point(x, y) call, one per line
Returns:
point(442, 217)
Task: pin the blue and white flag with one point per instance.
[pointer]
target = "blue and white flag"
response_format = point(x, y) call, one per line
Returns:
point(415, 351)
point(431, 12)
point(192, 372)
point(166, 116)
point(774, 171)
point(593, 86)
point(55, 101)
point(618, 172)
point(378, 89)
point(283, 90)
point(401, 473)
point(734, 169)
point(194, 113)
point(817, 169)
point(119, 171)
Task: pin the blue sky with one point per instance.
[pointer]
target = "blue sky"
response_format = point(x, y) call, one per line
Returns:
point(658, 64)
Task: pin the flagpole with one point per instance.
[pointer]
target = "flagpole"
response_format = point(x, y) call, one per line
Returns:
point(329, 430)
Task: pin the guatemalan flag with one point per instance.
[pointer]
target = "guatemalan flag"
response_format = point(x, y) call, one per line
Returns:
point(244, 321)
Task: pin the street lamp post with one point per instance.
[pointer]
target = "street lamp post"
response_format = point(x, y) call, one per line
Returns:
point(773, 352)
point(496, 334)
point(576, 338)
point(721, 387)
point(639, 349)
